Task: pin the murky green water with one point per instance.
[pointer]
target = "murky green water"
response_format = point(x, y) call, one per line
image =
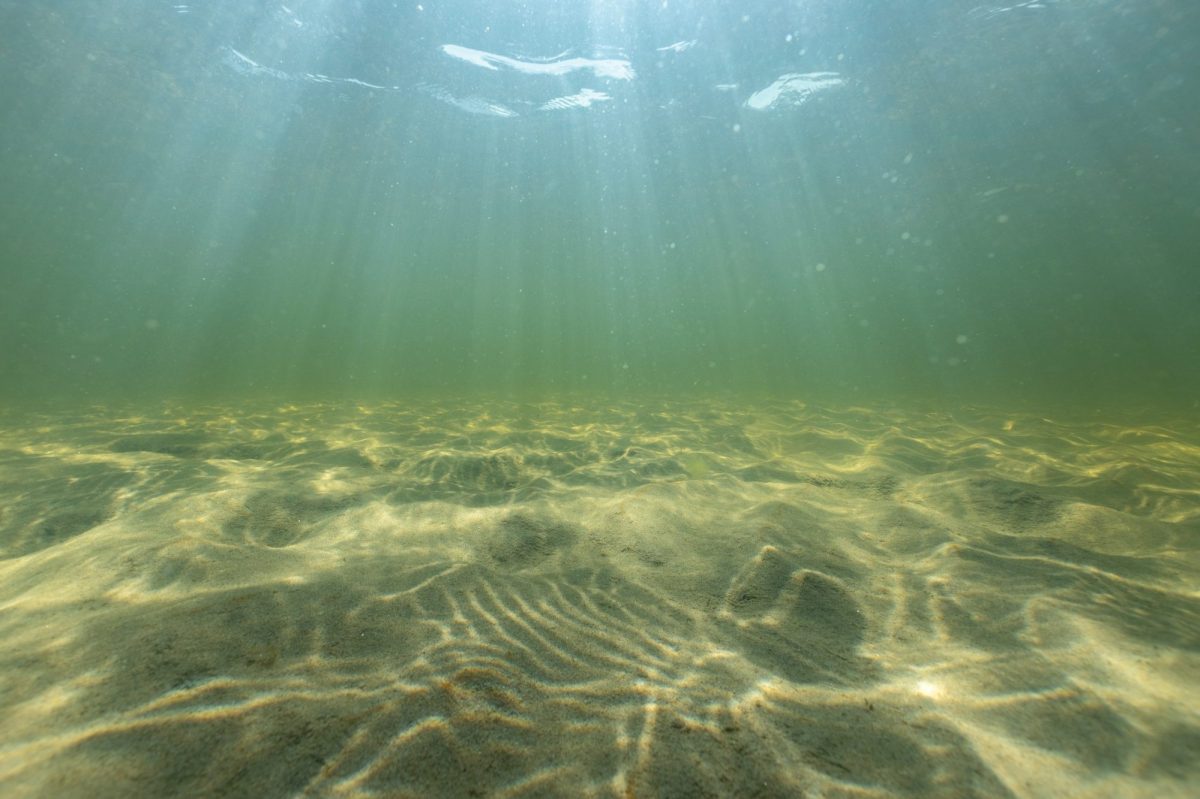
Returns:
point(862, 200)
point(611, 398)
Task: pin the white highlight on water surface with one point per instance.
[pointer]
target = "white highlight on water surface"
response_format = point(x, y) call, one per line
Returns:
point(614, 68)
point(794, 88)
point(245, 64)
point(988, 12)
point(583, 99)
point(471, 104)
point(248, 66)
point(677, 47)
point(291, 17)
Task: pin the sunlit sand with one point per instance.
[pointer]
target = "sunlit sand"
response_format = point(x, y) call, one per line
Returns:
point(708, 599)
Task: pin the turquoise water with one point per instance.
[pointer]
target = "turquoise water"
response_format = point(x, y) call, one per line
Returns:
point(610, 399)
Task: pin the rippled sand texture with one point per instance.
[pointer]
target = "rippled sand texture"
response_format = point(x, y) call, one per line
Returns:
point(654, 601)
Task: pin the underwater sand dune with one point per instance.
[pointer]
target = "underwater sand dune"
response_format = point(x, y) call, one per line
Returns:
point(587, 600)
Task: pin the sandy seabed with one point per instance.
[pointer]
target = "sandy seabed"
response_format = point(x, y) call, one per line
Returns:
point(649, 599)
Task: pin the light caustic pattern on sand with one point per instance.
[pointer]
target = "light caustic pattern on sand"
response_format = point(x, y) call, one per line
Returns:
point(571, 600)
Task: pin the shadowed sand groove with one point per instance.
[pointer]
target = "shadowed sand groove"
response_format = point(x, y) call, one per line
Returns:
point(671, 600)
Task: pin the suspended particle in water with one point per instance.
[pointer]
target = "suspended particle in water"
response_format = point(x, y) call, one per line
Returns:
point(961, 338)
